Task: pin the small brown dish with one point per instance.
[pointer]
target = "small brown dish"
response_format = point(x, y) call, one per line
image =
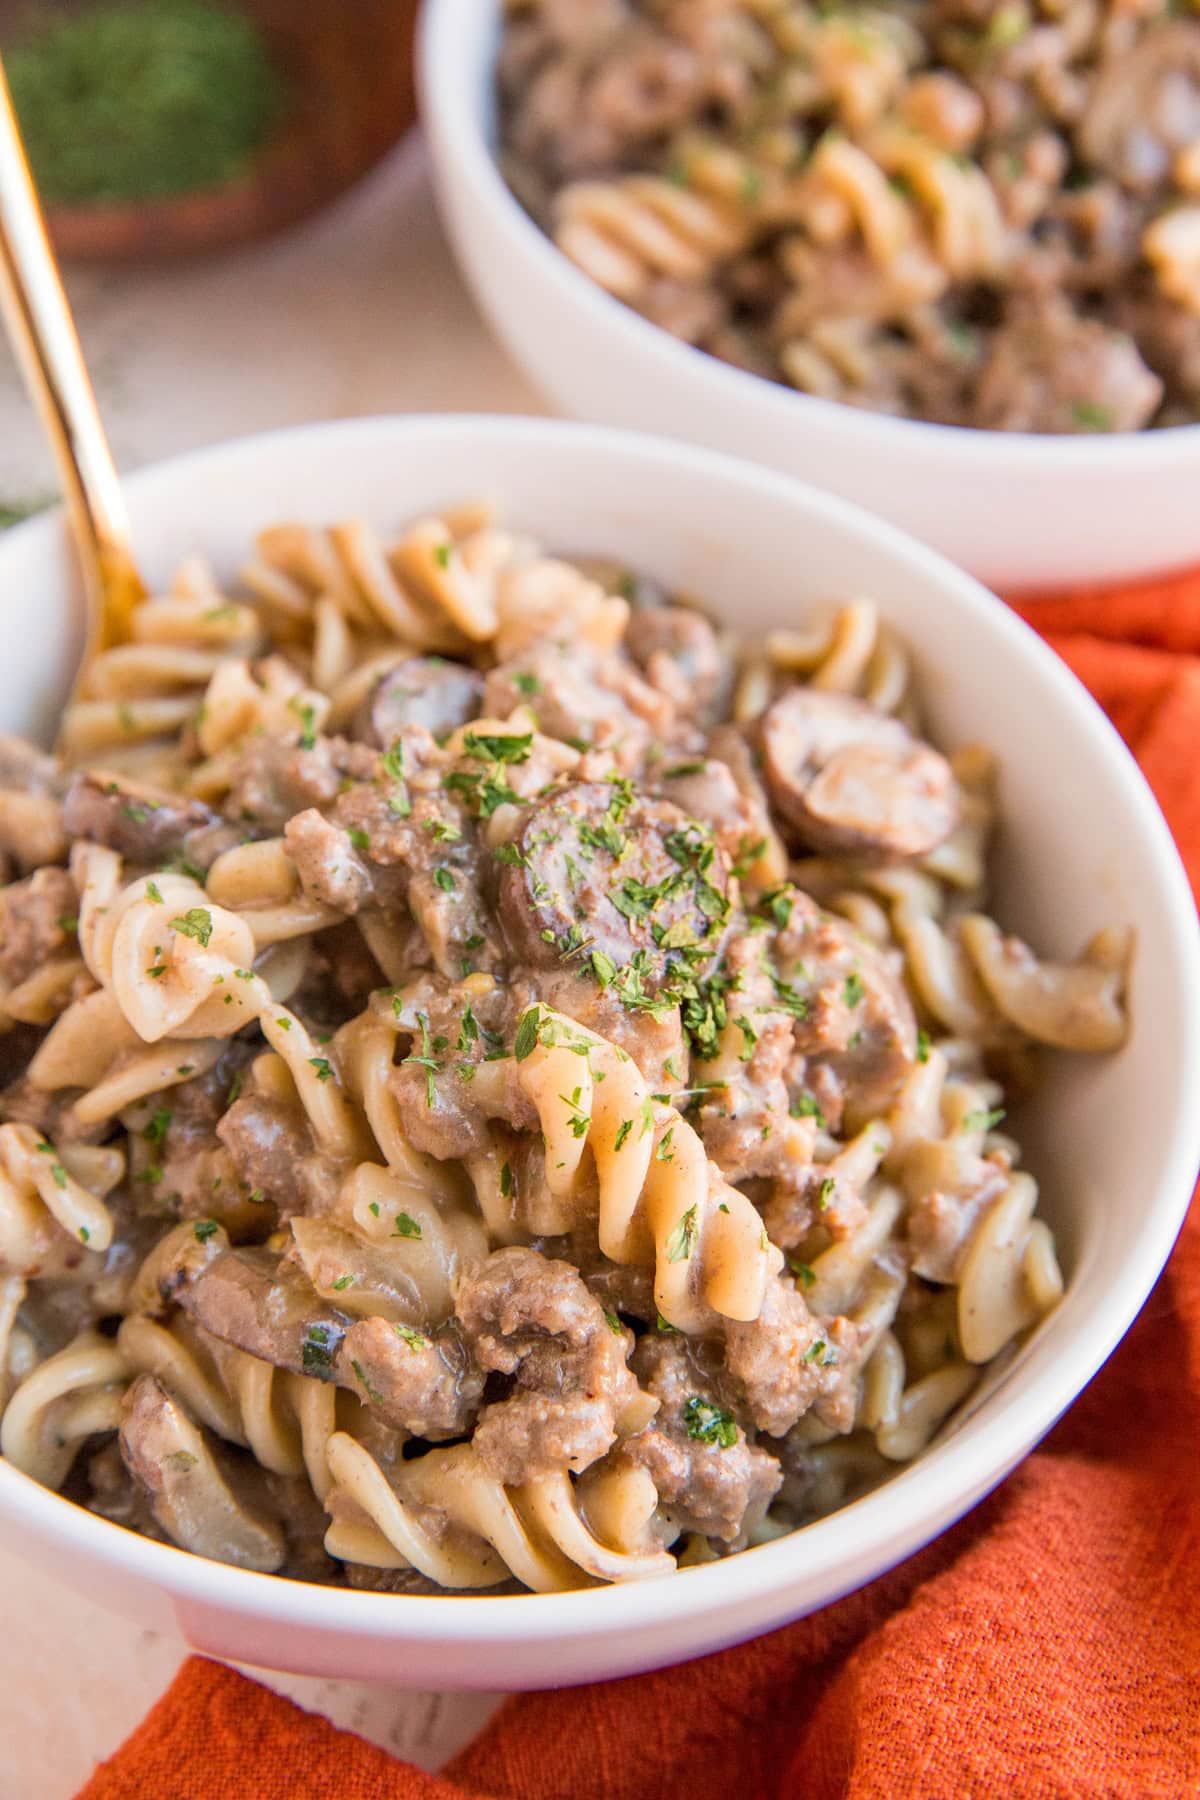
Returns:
point(349, 75)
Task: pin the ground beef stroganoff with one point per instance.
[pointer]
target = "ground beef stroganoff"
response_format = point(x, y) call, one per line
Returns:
point(503, 1087)
point(974, 213)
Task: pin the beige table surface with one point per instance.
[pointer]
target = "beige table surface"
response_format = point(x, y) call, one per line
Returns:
point(360, 311)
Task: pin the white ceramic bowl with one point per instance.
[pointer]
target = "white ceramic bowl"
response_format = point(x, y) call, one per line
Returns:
point(1115, 1141)
point(1018, 510)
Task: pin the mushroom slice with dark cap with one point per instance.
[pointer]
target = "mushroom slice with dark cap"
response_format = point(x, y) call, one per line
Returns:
point(600, 870)
point(850, 778)
point(423, 690)
point(172, 1462)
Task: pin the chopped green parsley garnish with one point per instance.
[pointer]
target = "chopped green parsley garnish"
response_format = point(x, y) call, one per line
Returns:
point(614, 1324)
point(709, 1423)
point(853, 992)
point(392, 760)
point(805, 1107)
point(527, 684)
point(1091, 417)
point(922, 1045)
point(180, 865)
point(306, 713)
point(750, 187)
point(359, 838)
point(802, 1271)
point(154, 892)
point(487, 792)
point(426, 1060)
point(527, 1033)
point(982, 1121)
point(412, 1338)
point(405, 1226)
point(195, 923)
point(748, 854)
point(603, 967)
point(203, 1229)
point(779, 903)
point(444, 880)
point(342, 1282)
point(826, 1192)
point(159, 1125)
point(579, 1121)
point(683, 1239)
point(511, 747)
point(322, 1065)
point(605, 836)
point(372, 1393)
point(316, 1352)
point(468, 1029)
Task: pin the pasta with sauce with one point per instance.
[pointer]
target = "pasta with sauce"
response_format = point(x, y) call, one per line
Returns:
point(972, 213)
point(503, 1087)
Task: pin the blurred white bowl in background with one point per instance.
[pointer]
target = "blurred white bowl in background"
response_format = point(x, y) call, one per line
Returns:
point(1017, 510)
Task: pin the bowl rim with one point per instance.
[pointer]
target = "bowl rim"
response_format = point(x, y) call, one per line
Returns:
point(871, 1534)
point(449, 113)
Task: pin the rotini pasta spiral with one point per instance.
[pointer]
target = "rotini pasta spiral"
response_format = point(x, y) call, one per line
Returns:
point(538, 1533)
point(38, 1192)
point(627, 232)
point(66, 1400)
point(661, 1201)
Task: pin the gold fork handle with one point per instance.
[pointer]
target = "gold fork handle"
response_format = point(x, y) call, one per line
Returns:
point(42, 332)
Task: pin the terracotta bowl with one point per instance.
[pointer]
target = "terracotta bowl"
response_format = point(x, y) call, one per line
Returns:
point(348, 68)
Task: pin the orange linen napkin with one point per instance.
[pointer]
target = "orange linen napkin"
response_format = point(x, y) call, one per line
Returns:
point(1047, 1646)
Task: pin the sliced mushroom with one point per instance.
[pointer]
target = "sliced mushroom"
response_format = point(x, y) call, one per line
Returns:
point(1074, 1006)
point(425, 690)
point(850, 778)
point(597, 869)
point(171, 1460)
point(147, 825)
point(250, 1299)
point(177, 1258)
point(677, 650)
